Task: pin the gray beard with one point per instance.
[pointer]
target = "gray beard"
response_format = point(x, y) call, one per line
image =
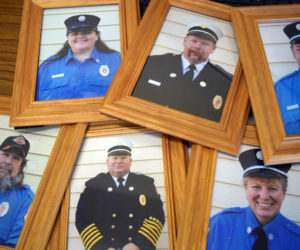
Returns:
point(8, 182)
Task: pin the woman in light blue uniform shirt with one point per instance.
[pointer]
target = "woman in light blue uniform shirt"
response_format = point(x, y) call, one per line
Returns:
point(288, 87)
point(259, 226)
point(84, 67)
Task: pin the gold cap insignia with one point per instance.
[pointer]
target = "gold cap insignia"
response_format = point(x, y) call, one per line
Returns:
point(217, 102)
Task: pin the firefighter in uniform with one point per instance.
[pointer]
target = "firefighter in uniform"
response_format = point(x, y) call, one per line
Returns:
point(120, 209)
point(188, 82)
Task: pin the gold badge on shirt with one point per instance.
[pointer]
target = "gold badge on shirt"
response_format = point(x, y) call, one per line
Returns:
point(142, 199)
point(217, 102)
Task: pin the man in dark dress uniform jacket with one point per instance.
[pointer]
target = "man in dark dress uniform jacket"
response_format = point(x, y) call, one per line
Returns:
point(115, 213)
point(165, 78)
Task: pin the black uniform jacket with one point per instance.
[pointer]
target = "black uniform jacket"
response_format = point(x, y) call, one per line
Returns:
point(162, 82)
point(107, 217)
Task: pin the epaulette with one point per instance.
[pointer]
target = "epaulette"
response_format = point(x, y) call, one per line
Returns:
point(288, 75)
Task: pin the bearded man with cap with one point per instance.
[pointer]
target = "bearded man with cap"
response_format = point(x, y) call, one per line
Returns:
point(259, 226)
point(188, 82)
point(15, 197)
point(288, 87)
point(84, 67)
point(120, 209)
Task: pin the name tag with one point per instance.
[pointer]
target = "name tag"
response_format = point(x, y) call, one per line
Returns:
point(58, 75)
point(154, 82)
point(295, 106)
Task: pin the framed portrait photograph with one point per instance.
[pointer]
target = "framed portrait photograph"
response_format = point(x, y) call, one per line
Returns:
point(68, 55)
point(220, 191)
point(269, 38)
point(151, 86)
point(152, 184)
point(24, 156)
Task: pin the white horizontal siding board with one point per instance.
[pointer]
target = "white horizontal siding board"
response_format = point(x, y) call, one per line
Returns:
point(273, 32)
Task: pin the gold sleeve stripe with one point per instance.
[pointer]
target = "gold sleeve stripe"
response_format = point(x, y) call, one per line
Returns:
point(149, 233)
point(153, 242)
point(89, 234)
point(96, 238)
point(83, 231)
point(149, 227)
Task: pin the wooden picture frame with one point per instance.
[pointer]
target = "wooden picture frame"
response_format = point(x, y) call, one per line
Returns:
point(225, 135)
point(28, 112)
point(175, 158)
point(276, 146)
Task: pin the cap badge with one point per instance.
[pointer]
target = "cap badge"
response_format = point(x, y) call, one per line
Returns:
point(4, 207)
point(259, 155)
point(110, 189)
point(81, 18)
point(202, 84)
point(19, 140)
point(217, 102)
point(104, 70)
point(203, 25)
point(173, 75)
point(298, 26)
point(142, 199)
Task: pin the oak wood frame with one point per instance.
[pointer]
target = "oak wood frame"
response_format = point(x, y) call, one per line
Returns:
point(118, 102)
point(28, 112)
point(276, 146)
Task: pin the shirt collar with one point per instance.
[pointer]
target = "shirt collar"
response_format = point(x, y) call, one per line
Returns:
point(186, 63)
point(95, 56)
point(116, 179)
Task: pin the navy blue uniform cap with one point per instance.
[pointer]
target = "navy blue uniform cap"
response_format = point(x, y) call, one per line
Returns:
point(82, 22)
point(292, 31)
point(252, 160)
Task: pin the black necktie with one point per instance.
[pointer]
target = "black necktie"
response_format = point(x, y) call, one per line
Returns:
point(121, 186)
point(188, 76)
point(261, 242)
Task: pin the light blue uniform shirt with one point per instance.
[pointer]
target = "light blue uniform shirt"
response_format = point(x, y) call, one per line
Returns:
point(232, 227)
point(14, 205)
point(288, 94)
point(69, 78)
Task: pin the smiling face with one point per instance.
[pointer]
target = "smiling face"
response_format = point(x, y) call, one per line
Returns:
point(296, 52)
point(118, 165)
point(265, 197)
point(82, 42)
point(197, 49)
point(10, 163)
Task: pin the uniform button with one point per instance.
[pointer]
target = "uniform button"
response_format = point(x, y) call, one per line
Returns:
point(130, 227)
point(271, 236)
point(129, 239)
point(113, 226)
point(113, 239)
point(130, 215)
point(114, 215)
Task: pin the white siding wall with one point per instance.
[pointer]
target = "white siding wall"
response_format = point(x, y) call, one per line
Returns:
point(41, 142)
point(229, 191)
point(170, 38)
point(53, 33)
point(277, 49)
point(147, 159)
